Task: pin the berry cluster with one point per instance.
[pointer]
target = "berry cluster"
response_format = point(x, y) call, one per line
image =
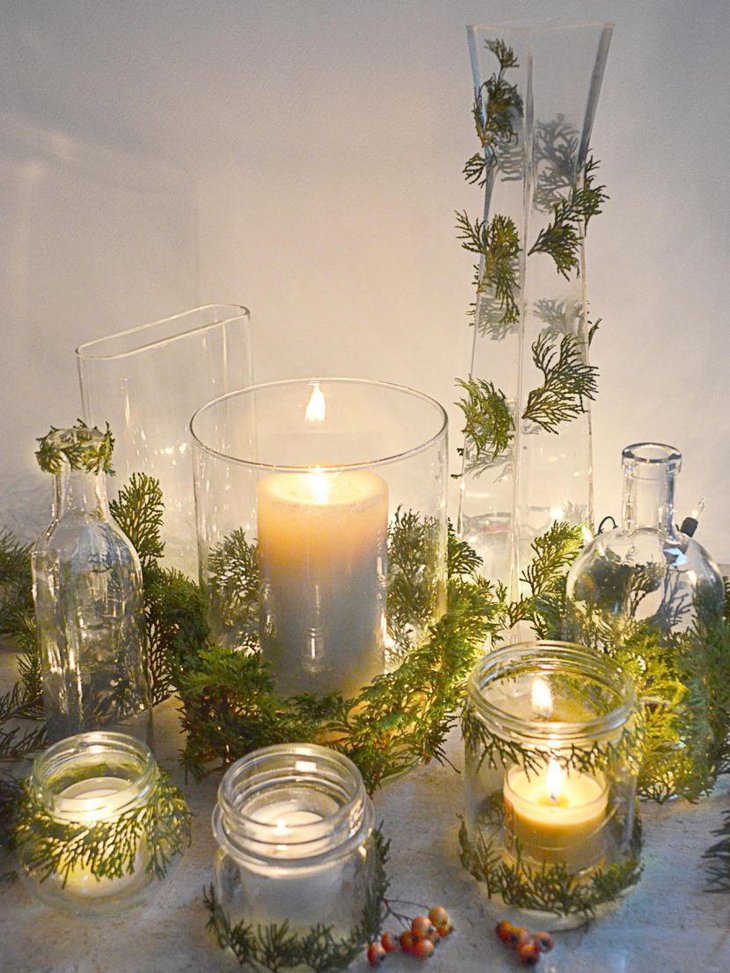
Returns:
point(528, 945)
point(420, 940)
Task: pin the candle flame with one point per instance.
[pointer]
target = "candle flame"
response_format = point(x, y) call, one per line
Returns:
point(555, 779)
point(281, 827)
point(542, 698)
point(319, 485)
point(317, 405)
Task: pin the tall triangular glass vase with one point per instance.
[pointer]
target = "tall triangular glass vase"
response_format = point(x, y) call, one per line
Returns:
point(531, 383)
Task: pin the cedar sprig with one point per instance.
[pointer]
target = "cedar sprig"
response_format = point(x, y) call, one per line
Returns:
point(562, 237)
point(498, 244)
point(139, 511)
point(277, 947)
point(107, 849)
point(81, 447)
point(488, 425)
point(233, 584)
point(717, 858)
point(497, 109)
point(556, 154)
point(568, 380)
point(414, 544)
point(550, 888)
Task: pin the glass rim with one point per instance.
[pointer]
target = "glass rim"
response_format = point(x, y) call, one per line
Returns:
point(82, 351)
point(248, 835)
point(340, 467)
point(640, 454)
point(541, 27)
point(557, 731)
point(66, 752)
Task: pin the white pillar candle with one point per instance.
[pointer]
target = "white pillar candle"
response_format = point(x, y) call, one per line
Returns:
point(88, 802)
point(322, 539)
point(556, 816)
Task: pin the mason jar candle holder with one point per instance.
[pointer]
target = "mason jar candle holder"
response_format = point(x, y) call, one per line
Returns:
point(99, 826)
point(296, 846)
point(552, 751)
point(321, 513)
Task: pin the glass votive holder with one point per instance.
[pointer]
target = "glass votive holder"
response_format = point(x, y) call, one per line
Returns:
point(322, 531)
point(100, 826)
point(552, 752)
point(296, 844)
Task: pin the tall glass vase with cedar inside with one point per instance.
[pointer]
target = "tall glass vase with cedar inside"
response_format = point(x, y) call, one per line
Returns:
point(527, 456)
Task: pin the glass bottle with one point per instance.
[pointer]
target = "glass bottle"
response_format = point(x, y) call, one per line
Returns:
point(647, 569)
point(294, 829)
point(87, 588)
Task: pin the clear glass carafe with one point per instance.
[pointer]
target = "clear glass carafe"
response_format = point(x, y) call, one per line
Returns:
point(87, 588)
point(294, 828)
point(647, 569)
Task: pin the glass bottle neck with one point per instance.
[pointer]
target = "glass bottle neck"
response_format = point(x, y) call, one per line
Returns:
point(648, 499)
point(80, 492)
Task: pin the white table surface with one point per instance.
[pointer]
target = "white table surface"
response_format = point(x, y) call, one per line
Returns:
point(668, 924)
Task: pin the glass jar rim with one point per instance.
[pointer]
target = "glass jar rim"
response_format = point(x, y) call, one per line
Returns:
point(651, 455)
point(496, 665)
point(86, 351)
point(249, 837)
point(251, 390)
point(72, 751)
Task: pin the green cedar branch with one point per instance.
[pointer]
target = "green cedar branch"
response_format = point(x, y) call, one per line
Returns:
point(562, 237)
point(498, 244)
point(568, 380)
point(81, 447)
point(496, 110)
point(277, 947)
point(546, 888)
point(489, 426)
point(107, 849)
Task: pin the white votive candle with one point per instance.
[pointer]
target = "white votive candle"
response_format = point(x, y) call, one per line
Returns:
point(88, 802)
point(322, 539)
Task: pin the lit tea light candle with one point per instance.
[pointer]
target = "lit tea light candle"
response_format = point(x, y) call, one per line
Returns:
point(88, 802)
point(556, 816)
point(322, 539)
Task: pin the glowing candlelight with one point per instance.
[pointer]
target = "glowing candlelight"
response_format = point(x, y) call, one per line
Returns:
point(556, 815)
point(322, 538)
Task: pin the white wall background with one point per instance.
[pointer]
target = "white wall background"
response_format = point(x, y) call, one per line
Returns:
point(304, 158)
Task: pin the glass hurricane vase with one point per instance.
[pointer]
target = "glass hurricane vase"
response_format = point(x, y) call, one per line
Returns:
point(321, 509)
point(147, 382)
point(536, 89)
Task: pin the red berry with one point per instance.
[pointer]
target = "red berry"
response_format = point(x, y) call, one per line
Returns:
point(543, 941)
point(520, 936)
point(376, 954)
point(423, 949)
point(407, 941)
point(529, 954)
point(434, 937)
point(389, 942)
point(504, 931)
point(421, 927)
point(439, 916)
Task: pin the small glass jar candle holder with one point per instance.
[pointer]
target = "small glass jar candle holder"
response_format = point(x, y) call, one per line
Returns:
point(100, 826)
point(552, 752)
point(321, 512)
point(296, 845)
